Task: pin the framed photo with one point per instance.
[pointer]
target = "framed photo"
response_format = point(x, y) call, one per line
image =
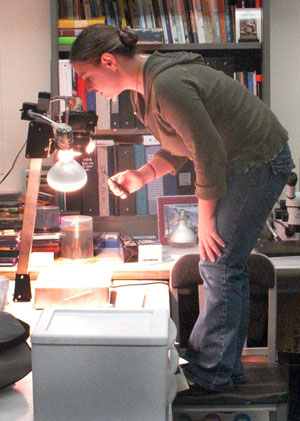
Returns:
point(168, 210)
point(248, 24)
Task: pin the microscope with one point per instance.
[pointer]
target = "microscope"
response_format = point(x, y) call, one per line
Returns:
point(285, 225)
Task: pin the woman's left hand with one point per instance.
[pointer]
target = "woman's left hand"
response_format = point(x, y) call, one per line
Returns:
point(209, 239)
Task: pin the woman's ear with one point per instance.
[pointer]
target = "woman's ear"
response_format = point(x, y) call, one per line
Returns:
point(109, 61)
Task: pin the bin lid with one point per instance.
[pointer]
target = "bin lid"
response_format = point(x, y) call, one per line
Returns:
point(95, 326)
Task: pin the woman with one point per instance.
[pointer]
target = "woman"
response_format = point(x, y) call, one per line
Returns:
point(242, 162)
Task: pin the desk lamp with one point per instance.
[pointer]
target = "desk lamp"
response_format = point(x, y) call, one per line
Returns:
point(45, 137)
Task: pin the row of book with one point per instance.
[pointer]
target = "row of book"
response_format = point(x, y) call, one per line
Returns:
point(182, 21)
point(95, 197)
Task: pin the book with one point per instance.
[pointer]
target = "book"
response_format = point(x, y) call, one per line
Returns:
point(222, 21)
point(103, 189)
point(248, 25)
point(155, 188)
point(66, 40)
point(172, 21)
point(91, 100)
point(89, 193)
point(127, 118)
point(192, 20)
point(79, 23)
point(64, 80)
point(87, 9)
point(199, 21)
point(114, 113)
point(69, 32)
point(81, 91)
point(207, 21)
point(186, 179)
point(213, 9)
point(103, 112)
point(141, 194)
point(125, 161)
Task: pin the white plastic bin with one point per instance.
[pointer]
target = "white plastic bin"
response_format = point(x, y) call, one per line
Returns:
point(101, 364)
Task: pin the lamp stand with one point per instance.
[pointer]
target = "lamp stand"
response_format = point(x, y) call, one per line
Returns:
point(22, 280)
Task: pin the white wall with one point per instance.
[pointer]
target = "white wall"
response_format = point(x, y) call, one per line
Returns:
point(285, 69)
point(24, 71)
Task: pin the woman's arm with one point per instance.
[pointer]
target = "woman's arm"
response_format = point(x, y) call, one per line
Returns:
point(133, 180)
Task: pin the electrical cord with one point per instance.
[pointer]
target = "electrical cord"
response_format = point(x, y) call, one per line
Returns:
point(13, 164)
point(140, 284)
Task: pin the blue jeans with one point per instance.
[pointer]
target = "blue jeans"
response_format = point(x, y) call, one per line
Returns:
point(217, 340)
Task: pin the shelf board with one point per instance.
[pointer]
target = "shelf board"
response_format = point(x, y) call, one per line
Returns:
point(191, 47)
point(131, 136)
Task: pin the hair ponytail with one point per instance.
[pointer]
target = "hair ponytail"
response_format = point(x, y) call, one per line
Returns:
point(97, 39)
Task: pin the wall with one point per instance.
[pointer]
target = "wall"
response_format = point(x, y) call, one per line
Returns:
point(285, 69)
point(24, 71)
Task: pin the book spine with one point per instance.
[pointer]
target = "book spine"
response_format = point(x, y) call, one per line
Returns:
point(103, 189)
point(111, 170)
point(185, 21)
point(69, 32)
point(79, 23)
point(141, 194)
point(126, 114)
point(209, 37)
point(89, 193)
point(81, 91)
point(179, 22)
point(114, 113)
point(132, 7)
point(228, 21)
point(186, 179)
point(91, 100)
point(172, 21)
point(64, 80)
point(191, 12)
point(213, 7)
point(155, 188)
point(199, 21)
point(66, 40)
point(222, 21)
point(125, 161)
point(103, 112)
point(165, 22)
point(87, 9)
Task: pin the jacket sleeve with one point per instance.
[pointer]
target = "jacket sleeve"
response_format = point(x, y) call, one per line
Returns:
point(181, 105)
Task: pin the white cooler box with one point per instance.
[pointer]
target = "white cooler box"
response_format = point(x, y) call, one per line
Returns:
point(103, 364)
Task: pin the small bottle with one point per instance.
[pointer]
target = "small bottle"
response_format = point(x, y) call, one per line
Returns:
point(182, 235)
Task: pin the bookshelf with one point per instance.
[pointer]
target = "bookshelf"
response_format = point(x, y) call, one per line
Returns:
point(247, 56)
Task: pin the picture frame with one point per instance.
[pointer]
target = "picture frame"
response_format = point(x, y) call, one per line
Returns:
point(168, 209)
point(248, 25)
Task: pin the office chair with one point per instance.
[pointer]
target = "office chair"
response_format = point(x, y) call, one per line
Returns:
point(267, 388)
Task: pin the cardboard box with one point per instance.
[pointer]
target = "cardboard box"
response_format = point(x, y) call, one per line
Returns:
point(142, 249)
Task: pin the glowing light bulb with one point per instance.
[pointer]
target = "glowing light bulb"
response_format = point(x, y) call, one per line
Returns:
point(90, 147)
point(67, 175)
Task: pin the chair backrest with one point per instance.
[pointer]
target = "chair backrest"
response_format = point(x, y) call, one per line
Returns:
point(262, 278)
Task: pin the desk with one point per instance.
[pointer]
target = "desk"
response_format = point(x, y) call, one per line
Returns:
point(121, 270)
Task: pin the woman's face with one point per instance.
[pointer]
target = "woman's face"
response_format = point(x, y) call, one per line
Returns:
point(102, 78)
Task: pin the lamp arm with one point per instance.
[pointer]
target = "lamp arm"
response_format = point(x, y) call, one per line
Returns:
point(63, 132)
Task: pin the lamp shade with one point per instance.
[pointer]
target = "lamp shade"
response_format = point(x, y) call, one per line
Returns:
point(67, 176)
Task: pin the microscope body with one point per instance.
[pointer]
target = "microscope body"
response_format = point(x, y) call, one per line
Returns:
point(288, 215)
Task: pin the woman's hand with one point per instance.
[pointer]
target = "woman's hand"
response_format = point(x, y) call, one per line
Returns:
point(125, 182)
point(209, 240)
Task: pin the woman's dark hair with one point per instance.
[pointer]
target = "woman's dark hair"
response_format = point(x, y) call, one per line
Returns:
point(97, 39)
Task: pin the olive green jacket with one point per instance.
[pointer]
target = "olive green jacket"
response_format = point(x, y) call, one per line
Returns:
point(199, 113)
